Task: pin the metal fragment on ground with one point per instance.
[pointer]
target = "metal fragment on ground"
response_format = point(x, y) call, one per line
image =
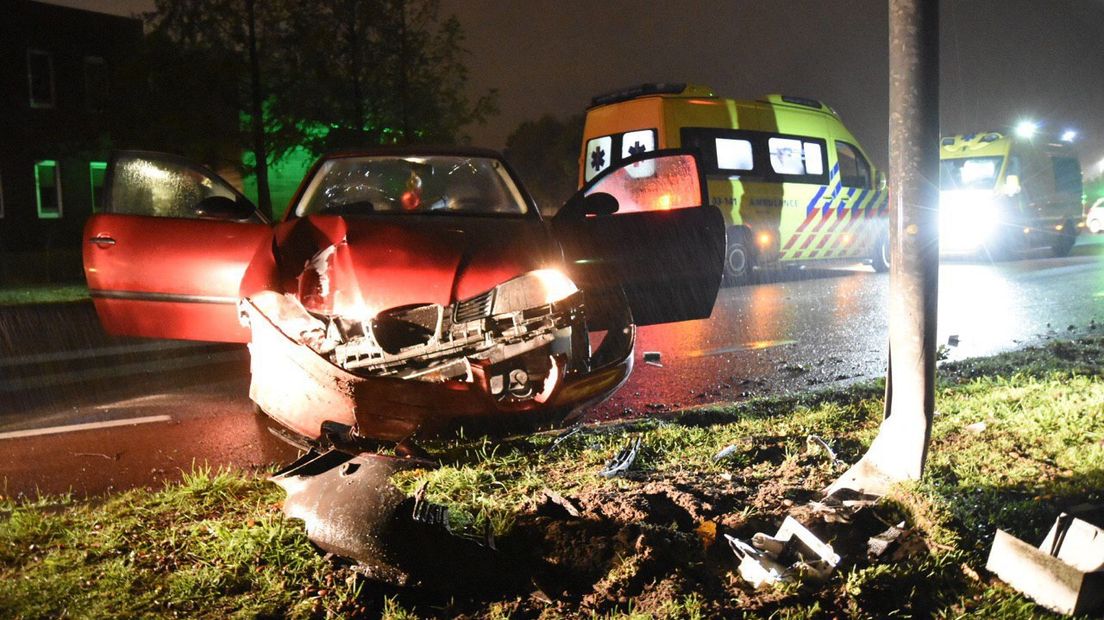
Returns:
point(622, 461)
point(877, 545)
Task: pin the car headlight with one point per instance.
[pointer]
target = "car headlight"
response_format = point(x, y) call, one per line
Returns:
point(533, 289)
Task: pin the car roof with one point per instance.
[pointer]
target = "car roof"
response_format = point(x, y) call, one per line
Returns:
point(408, 150)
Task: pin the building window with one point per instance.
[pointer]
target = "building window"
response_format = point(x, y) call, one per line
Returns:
point(40, 78)
point(48, 188)
point(96, 83)
point(97, 170)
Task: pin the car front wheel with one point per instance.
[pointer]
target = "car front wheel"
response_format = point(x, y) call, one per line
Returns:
point(879, 258)
point(1094, 225)
point(738, 258)
point(1064, 240)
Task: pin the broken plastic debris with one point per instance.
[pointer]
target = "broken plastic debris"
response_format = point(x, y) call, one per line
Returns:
point(724, 453)
point(977, 427)
point(878, 545)
point(756, 567)
point(428, 512)
point(1064, 574)
point(952, 340)
point(792, 552)
point(817, 441)
point(563, 437)
point(653, 358)
point(622, 461)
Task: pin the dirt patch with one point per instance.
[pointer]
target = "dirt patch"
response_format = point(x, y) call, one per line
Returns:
point(654, 543)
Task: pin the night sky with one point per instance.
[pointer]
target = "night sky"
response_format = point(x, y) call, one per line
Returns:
point(1002, 60)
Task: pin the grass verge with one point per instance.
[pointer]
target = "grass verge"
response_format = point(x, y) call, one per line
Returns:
point(1018, 438)
point(43, 294)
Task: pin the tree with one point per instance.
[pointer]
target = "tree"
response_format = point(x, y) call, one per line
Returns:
point(229, 35)
point(363, 72)
point(313, 74)
point(546, 155)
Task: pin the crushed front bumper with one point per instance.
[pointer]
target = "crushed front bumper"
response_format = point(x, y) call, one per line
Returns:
point(301, 389)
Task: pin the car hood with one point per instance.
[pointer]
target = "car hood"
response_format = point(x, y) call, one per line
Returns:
point(362, 265)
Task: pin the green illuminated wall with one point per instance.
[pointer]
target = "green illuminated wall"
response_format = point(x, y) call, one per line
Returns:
point(283, 178)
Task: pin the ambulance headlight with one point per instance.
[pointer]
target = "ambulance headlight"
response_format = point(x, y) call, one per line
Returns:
point(536, 288)
point(966, 219)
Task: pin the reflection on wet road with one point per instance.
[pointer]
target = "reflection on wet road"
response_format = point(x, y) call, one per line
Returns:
point(804, 329)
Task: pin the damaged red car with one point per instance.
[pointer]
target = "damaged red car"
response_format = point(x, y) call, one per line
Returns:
point(409, 293)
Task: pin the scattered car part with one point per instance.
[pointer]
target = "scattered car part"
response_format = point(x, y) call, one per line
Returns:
point(792, 552)
point(724, 453)
point(1064, 574)
point(653, 358)
point(350, 508)
point(622, 461)
point(816, 440)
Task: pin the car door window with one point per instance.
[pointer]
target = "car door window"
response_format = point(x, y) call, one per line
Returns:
point(853, 167)
point(653, 184)
point(162, 186)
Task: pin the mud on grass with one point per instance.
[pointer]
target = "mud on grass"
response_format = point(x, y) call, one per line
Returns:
point(1018, 439)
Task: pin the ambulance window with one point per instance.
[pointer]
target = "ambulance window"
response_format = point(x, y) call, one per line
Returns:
point(786, 155)
point(797, 159)
point(637, 142)
point(734, 154)
point(598, 155)
point(853, 168)
point(814, 158)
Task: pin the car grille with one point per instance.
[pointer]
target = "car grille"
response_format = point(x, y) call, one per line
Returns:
point(474, 308)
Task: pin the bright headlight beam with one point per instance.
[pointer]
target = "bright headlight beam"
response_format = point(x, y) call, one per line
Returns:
point(1026, 129)
point(556, 285)
point(1069, 135)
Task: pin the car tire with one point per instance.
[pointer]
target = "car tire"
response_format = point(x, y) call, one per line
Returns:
point(1094, 225)
point(739, 257)
point(1063, 241)
point(879, 258)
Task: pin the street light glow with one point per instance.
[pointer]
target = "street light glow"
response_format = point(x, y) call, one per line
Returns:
point(1026, 129)
point(1069, 135)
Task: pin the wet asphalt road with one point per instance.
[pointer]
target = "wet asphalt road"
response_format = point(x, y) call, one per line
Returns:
point(798, 330)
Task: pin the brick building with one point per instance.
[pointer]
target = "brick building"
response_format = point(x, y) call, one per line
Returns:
point(59, 71)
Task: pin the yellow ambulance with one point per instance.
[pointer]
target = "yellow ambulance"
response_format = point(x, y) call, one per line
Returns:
point(1001, 195)
point(793, 183)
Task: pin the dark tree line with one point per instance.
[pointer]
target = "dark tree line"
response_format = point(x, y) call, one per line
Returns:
point(270, 76)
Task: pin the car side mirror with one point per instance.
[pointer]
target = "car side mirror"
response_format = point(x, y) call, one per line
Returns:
point(223, 208)
point(881, 182)
point(597, 204)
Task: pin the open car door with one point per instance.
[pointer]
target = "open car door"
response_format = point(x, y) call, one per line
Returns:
point(642, 232)
point(166, 257)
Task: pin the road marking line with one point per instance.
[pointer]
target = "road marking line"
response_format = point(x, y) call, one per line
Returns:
point(54, 430)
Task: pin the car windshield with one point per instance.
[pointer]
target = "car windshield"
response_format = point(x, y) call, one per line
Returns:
point(970, 172)
point(449, 185)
